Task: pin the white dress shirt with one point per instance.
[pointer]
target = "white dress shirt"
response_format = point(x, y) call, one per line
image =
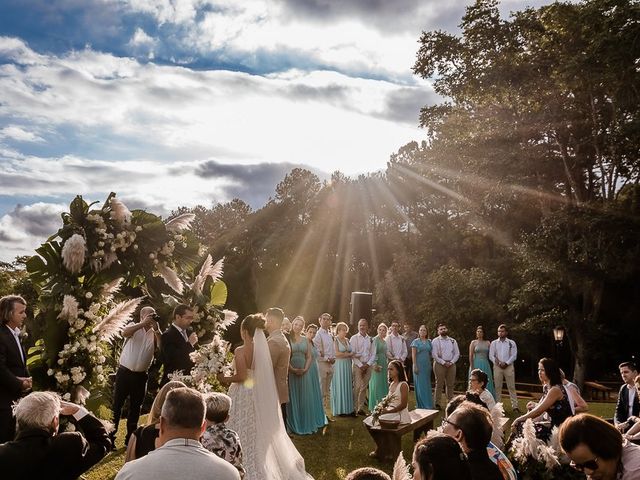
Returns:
point(362, 347)
point(324, 343)
point(138, 349)
point(445, 349)
point(16, 335)
point(631, 389)
point(503, 350)
point(396, 347)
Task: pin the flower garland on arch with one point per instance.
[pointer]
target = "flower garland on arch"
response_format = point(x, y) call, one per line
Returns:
point(93, 274)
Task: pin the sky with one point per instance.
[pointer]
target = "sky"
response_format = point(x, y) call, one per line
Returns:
point(174, 103)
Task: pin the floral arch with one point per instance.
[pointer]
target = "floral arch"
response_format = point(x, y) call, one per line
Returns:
point(92, 275)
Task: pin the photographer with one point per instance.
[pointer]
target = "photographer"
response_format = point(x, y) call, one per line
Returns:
point(141, 340)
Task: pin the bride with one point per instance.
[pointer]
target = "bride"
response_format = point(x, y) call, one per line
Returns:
point(268, 453)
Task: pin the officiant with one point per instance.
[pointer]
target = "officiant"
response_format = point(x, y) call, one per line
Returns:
point(177, 342)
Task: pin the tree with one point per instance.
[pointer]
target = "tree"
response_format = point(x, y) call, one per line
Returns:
point(541, 111)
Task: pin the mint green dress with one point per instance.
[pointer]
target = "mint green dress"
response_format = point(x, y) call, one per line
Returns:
point(305, 414)
point(342, 383)
point(379, 382)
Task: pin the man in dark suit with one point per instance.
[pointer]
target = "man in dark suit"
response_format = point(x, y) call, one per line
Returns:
point(14, 378)
point(177, 342)
point(628, 406)
point(39, 452)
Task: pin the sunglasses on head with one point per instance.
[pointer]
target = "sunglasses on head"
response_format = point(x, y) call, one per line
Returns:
point(588, 465)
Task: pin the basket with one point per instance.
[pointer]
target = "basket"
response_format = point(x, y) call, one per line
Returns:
point(389, 424)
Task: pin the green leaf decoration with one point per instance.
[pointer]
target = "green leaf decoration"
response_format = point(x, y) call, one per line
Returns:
point(219, 293)
point(31, 361)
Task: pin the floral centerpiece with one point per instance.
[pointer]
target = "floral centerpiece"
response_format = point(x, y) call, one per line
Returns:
point(381, 407)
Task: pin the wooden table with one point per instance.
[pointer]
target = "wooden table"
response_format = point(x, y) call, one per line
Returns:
point(389, 441)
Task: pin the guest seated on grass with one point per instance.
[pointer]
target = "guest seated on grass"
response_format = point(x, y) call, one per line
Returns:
point(471, 426)
point(367, 473)
point(217, 438)
point(144, 438)
point(439, 457)
point(180, 453)
point(597, 449)
point(38, 451)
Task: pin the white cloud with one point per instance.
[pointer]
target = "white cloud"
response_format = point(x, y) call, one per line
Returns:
point(324, 119)
point(15, 132)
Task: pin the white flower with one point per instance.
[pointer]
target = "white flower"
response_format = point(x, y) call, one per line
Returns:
point(69, 308)
point(101, 359)
point(67, 397)
point(184, 245)
point(135, 247)
point(119, 212)
point(99, 369)
point(73, 252)
point(88, 295)
point(60, 361)
point(100, 378)
point(152, 256)
point(50, 372)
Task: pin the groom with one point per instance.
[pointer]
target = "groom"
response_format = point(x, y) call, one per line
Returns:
point(280, 352)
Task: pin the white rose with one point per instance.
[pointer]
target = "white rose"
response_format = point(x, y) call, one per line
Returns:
point(88, 295)
point(67, 397)
point(138, 228)
point(60, 361)
point(135, 247)
point(50, 372)
point(152, 256)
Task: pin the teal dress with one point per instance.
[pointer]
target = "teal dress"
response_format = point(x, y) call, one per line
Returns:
point(305, 414)
point(379, 382)
point(481, 361)
point(422, 381)
point(342, 383)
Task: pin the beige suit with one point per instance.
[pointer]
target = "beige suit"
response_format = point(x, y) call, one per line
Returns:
point(280, 351)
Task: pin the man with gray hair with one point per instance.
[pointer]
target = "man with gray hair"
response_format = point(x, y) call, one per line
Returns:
point(39, 452)
point(181, 424)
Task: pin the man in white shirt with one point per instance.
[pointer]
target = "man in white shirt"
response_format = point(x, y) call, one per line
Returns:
point(180, 455)
point(503, 353)
point(362, 361)
point(141, 340)
point(396, 346)
point(445, 354)
point(326, 358)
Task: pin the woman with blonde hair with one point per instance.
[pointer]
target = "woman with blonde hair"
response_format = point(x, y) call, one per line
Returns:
point(144, 438)
point(342, 381)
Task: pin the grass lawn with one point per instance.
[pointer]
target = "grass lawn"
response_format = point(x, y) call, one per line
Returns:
point(329, 455)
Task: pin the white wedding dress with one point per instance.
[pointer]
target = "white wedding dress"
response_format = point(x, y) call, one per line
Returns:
point(267, 450)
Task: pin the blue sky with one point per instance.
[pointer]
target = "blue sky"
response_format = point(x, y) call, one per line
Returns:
point(185, 102)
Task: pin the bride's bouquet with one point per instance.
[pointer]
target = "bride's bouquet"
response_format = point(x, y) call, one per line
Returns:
point(210, 359)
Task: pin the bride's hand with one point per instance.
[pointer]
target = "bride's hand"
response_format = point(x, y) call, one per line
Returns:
point(222, 379)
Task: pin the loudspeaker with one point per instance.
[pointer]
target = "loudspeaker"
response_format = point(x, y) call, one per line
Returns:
point(361, 307)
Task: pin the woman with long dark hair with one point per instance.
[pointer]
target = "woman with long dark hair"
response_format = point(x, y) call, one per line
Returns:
point(554, 403)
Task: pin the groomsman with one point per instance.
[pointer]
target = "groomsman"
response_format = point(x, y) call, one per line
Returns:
point(363, 358)
point(409, 335)
point(503, 353)
point(14, 378)
point(445, 353)
point(396, 346)
point(326, 358)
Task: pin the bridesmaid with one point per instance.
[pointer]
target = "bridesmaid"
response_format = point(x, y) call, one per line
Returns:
point(479, 357)
point(378, 384)
point(300, 417)
point(342, 381)
point(315, 393)
point(421, 356)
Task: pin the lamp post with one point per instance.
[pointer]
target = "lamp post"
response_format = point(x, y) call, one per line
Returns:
point(558, 336)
